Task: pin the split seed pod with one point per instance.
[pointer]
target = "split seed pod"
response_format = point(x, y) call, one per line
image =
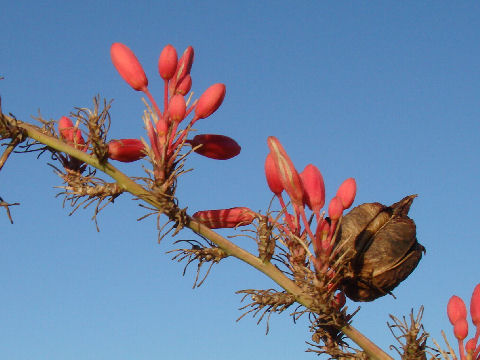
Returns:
point(385, 249)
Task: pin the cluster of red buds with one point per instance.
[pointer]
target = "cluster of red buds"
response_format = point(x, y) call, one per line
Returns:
point(163, 126)
point(457, 314)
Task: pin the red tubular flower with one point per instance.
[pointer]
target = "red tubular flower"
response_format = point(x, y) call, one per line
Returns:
point(475, 306)
point(126, 150)
point(346, 192)
point(184, 86)
point(128, 66)
point(210, 101)
point(177, 108)
point(456, 309)
point(69, 133)
point(167, 62)
point(225, 218)
point(218, 147)
point(288, 174)
point(273, 178)
point(314, 188)
point(335, 208)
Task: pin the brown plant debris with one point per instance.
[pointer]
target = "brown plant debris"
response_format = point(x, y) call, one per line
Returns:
point(201, 253)
point(7, 208)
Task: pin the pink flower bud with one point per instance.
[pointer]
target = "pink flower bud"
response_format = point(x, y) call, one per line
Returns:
point(346, 192)
point(460, 329)
point(128, 66)
point(456, 309)
point(225, 218)
point(69, 133)
point(335, 208)
point(218, 147)
point(184, 64)
point(470, 346)
point(126, 150)
point(314, 187)
point(184, 86)
point(210, 101)
point(475, 306)
point(288, 174)
point(273, 178)
point(339, 300)
point(167, 62)
point(177, 108)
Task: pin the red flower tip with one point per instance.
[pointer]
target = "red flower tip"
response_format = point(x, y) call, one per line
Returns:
point(314, 187)
point(346, 192)
point(273, 178)
point(225, 218)
point(289, 176)
point(167, 62)
point(460, 329)
point(128, 66)
point(456, 309)
point(126, 150)
point(475, 306)
point(339, 300)
point(184, 66)
point(69, 133)
point(184, 86)
point(177, 108)
point(470, 346)
point(218, 147)
point(210, 101)
point(335, 208)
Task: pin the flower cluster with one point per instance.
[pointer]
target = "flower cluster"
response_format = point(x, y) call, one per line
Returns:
point(457, 314)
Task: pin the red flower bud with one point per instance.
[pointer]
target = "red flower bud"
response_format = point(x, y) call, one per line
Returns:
point(69, 133)
point(288, 174)
point(346, 192)
point(210, 101)
point(167, 62)
point(475, 306)
point(456, 309)
point(177, 108)
point(314, 187)
point(225, 218)
point(335, 208)
point(184, 86)
point(339, 300)
point(126, 150)
point(184, 64)
point(470, 346)
point(128, 66)
point(460, 329)
point(214, 146)
point(273, 178)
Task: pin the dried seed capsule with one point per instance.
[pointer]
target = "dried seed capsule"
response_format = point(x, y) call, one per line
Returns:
point(385, 250)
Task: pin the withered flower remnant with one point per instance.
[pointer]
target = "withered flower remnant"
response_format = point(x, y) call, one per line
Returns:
point(382, 241)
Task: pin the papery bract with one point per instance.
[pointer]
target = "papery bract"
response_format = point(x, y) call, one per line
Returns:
point(456, 309)
point(126, 150)
point(273, 178)
point(177, 108)
point(210, 101)
point(167, 62)
point(128, 66)
point(346, 192)
point(288, 174)
point(225, 218)
point(218, 147)
point(314, 188)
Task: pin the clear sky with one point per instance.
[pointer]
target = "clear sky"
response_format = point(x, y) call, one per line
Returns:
point(383, 91)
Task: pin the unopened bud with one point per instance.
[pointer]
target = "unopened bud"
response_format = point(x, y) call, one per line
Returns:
point(225, 218)
point(69, 133)
point(335, 208)
point(475, 306)
point(128, 66)
point(314, 187)
point(184, 86)
point(167, 62)
point(456, 309)
point(177, 108)
point(273, 178)
point(218, 147)
point(126, 150)
point(210, 101)
point(346, 192)
point(460, 329)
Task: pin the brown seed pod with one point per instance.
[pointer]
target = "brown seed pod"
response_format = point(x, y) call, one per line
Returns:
point(385, 250)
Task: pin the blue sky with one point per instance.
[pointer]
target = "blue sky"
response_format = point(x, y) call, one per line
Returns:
point(383, 91)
